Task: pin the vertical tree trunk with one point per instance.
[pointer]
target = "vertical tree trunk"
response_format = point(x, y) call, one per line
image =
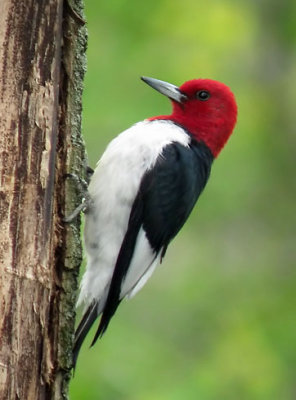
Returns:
point(42, 64)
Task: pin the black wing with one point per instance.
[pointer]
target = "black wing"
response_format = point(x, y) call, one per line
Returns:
point(171, 190)
point(165, 199)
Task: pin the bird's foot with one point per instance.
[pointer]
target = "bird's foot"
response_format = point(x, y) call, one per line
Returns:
point(86, 200)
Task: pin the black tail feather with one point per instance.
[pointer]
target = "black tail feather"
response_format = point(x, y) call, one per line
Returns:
point(88, 319)
point(105, 319)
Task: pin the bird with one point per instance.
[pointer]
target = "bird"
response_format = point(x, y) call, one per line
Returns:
point(142, 191)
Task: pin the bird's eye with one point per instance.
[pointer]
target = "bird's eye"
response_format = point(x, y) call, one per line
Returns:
point(203, 95)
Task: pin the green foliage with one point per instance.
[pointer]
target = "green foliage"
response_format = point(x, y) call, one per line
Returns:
point(216, 321)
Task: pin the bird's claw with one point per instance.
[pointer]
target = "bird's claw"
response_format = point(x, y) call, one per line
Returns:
point(86, 200)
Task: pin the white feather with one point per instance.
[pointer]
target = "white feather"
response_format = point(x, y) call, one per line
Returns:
point(142, 265)
point(113, 188)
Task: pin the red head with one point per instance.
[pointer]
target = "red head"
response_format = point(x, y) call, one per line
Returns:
point(206, 108)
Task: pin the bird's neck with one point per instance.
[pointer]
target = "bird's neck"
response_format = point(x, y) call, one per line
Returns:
point(199, 130)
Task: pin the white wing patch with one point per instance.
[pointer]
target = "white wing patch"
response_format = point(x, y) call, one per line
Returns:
point(142, 265)
point(113, 188)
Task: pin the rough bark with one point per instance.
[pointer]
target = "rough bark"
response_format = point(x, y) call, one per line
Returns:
point(42, 64)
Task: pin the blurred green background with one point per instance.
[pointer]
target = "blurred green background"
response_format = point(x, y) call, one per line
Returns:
point(217, 319)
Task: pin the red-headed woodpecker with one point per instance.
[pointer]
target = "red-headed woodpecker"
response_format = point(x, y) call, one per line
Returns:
point(143, 190)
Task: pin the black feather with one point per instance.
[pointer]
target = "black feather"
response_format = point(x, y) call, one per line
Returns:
point(171, 189)
point(85, 324)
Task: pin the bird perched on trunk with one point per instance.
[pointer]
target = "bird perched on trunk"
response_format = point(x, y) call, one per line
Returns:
point(143, 190)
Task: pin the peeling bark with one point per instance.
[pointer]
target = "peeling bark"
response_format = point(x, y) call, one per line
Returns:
point(42, 64)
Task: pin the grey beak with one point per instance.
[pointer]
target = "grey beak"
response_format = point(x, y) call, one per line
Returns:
point(169, 90)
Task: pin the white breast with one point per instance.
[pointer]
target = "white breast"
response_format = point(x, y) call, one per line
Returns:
point(113, 188)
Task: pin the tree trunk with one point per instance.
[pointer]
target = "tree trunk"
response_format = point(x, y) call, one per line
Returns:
point(42, 64)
